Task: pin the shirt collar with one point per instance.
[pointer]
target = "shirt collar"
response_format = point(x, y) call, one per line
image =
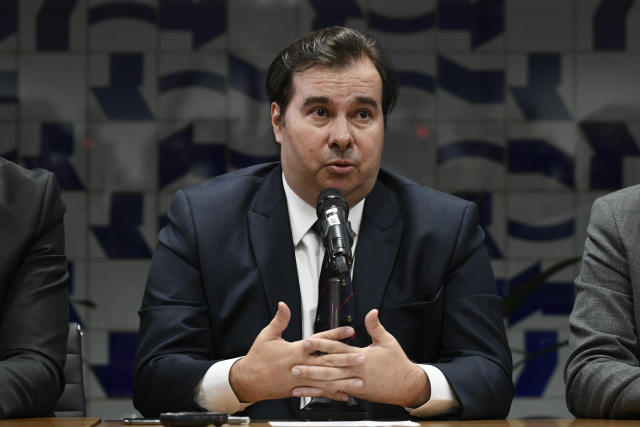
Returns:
point(302, 215)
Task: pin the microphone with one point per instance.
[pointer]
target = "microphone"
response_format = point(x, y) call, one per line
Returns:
point(336, 233)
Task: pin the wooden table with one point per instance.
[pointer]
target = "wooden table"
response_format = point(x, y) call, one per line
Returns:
point(91, 422)
point(483, 423)
point(50, 422)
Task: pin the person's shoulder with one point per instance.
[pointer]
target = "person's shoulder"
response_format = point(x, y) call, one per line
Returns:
point(228, 197)
point(627, 197)
point(623, 202)
point(16, 175)
point(30, 201)
point(424, 209)
point(621, 207)
point(235, 180)
point(20, 186)
point(411, 193)
point(233, 190)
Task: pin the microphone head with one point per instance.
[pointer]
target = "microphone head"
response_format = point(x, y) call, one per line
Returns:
point(336, 233)
point(329, 197)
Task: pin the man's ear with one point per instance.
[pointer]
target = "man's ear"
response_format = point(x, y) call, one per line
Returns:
point(277, 122)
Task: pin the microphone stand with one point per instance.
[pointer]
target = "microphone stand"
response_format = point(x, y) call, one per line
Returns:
point(323, 408)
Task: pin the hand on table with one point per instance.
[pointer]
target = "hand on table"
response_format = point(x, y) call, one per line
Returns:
point(383, 373)
point(266, 371)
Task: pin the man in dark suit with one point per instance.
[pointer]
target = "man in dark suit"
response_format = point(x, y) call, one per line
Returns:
point(228, 312)
point(33, 292)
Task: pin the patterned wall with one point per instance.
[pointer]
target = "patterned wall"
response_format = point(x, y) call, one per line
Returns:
point(529, 107)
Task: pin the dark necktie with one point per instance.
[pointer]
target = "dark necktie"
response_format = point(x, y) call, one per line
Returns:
point(346, 306)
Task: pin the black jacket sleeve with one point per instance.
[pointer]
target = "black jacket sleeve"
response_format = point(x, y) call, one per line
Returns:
point(33, 293)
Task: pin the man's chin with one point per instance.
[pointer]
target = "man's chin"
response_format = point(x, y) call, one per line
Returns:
point(351, 190)
point(353, 195)
point(344, 187)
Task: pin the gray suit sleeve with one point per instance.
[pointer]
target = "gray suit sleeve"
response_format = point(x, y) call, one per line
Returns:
point(34, 317)
point(602, 375)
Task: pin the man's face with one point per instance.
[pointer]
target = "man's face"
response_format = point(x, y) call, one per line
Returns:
point(333, 131)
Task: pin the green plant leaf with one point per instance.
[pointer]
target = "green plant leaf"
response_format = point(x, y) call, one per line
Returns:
point(514, 300)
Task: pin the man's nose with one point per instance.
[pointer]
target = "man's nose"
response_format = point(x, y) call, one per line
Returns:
point(341, 136)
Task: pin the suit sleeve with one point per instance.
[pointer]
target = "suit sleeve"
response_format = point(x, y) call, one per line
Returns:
point(34, 324)
point(475, 357)
point(174, 344)
point(602, 373)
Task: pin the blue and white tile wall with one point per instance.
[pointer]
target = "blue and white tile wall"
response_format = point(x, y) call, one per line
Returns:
point(529, 107)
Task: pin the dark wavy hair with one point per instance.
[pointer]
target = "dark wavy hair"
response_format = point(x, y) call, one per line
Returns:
point(332, 47)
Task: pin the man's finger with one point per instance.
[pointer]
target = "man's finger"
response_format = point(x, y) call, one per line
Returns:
point(336, 334)
point(313, 345)
point(341, 360)
point(349, 386)
point(321, 373)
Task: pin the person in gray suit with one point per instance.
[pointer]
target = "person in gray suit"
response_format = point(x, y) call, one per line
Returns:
point(602, 373)
point(33, 292)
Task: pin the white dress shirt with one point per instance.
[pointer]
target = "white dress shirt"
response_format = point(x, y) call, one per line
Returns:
point(214, 392)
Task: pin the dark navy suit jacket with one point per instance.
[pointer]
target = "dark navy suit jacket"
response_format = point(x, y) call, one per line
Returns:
point(227, 257)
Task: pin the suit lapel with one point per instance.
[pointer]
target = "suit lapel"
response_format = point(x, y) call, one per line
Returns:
point(274, 253)
point(378, 243)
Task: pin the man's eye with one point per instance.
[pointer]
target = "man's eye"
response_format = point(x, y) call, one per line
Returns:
point(320, 112)
point(363, 114)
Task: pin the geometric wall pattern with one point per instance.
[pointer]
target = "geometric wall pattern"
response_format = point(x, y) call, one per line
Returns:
point(531, 108)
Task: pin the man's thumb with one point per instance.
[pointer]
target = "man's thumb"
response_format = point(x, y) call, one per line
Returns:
point(374, 327)
point(280, 321)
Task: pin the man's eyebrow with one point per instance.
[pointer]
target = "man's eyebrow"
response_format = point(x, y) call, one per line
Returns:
point(316, 100)
point(366, 100)
point(324, 100)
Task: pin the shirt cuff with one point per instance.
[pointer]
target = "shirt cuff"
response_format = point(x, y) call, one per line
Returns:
point(443, 400)
point(214, 393)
